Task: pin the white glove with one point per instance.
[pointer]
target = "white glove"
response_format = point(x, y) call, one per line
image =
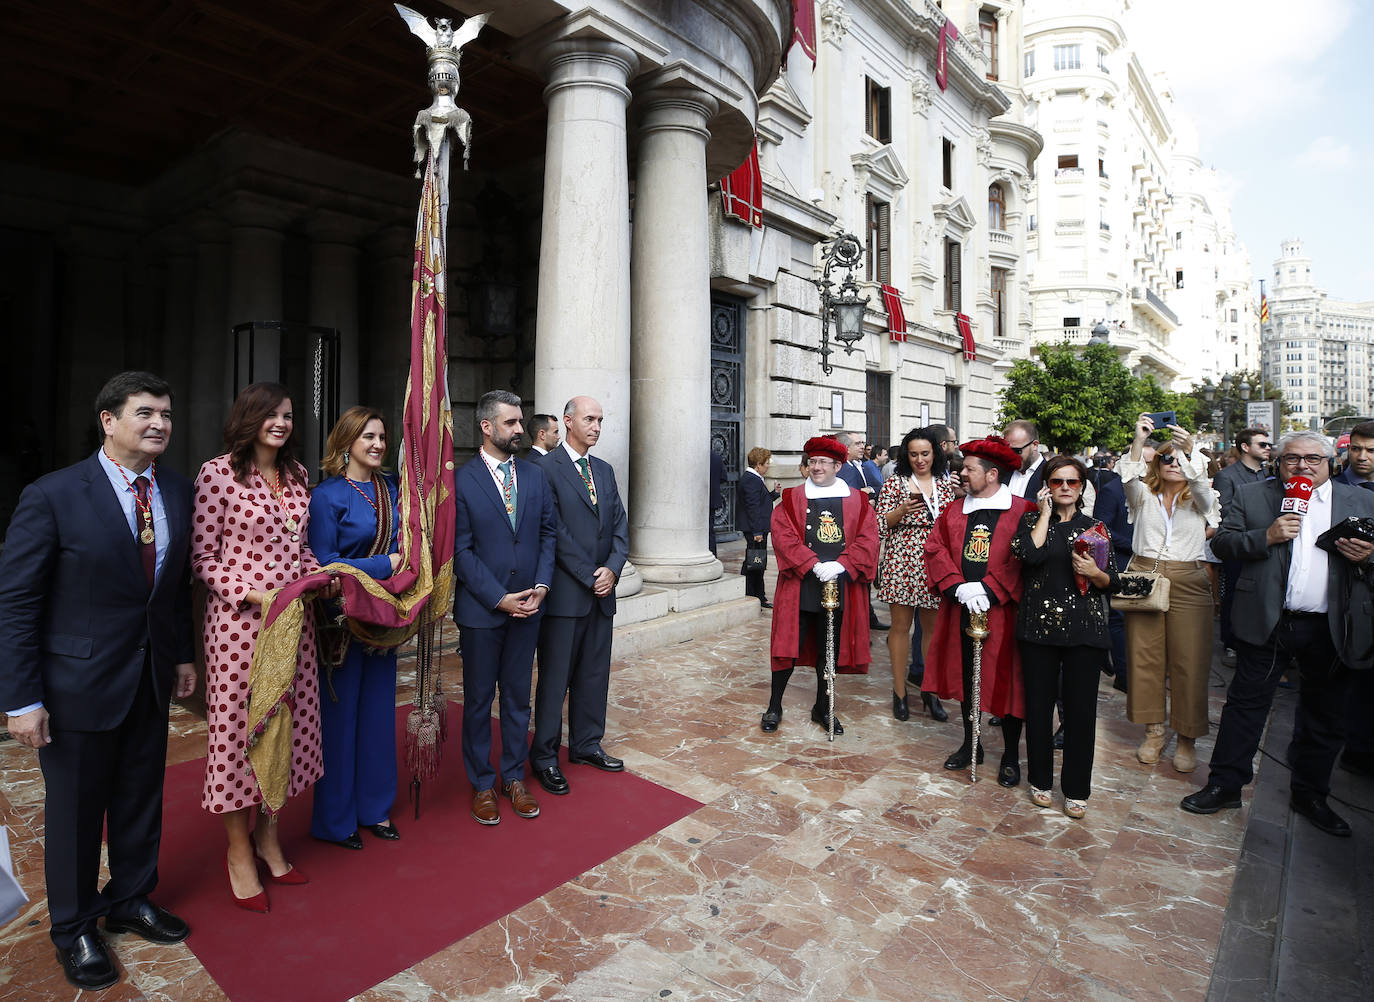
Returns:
point(973, 596)
point(828, 570)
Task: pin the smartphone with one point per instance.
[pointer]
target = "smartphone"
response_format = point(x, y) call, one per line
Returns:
point(1163, 418)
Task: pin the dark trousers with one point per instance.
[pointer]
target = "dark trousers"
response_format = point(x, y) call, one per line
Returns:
point(917, 667)
point(1359, 710)
point(574, 661)
point(1230, 574)
point(357, 745)
point(1050, 672)
point(753, 582)
point(1116, 626)
point(1319, 728)
point(103, 778)
point(501, 657)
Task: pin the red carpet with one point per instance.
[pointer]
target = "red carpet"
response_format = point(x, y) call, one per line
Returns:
point(367, 915)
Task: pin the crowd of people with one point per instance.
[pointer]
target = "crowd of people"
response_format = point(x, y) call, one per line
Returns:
point(1002, 567)
point(96, 607)
point(1047, 574)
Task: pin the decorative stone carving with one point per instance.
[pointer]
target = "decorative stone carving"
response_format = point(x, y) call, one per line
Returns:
point(984, 140)
point(920, 95)
point(835, 21)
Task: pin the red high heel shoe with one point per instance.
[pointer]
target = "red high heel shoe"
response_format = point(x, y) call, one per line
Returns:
point(292, 876)
point(257, 903)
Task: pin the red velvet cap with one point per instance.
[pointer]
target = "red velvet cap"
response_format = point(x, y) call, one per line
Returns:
point(828, 446)
point(995, 450)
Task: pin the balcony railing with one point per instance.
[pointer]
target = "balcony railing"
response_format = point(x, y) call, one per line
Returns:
point(1067, 173)
point(999, 238)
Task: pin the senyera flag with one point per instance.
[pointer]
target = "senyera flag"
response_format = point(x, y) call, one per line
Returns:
point(413, 600)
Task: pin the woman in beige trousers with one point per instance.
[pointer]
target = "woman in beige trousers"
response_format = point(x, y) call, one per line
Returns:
point(1171, 506)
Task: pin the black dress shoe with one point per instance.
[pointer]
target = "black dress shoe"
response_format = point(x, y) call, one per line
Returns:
point(552, 780)
point(962, 757)
point(915, 678)
point(1209, 800)
point(1316, 810)
point(1009, 774)
point(933, 706)
point(385, 832)
point(354, 841)
point(994, 721)
point(156, 925)
point(86, 963)
point(899, 708)
point(875, 623)
point(819, 716)
point(599, 759)
point(770, 721)
point(1059, 737)
point(765, 604)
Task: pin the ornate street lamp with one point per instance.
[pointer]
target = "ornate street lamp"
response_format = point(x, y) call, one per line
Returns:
point(1101, 334)
point(845, 309)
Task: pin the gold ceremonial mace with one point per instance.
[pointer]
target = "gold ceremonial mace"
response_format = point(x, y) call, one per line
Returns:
point(830, 601)
point(978, 632)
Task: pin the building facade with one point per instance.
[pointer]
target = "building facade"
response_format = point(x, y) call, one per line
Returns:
point(1318, 350)
point(1128, 228)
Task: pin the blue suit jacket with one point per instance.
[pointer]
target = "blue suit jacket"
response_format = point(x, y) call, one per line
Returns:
point(1110, 509)
point(76, 616)
point(754, 505)
point(587, 538)
point(492, 559)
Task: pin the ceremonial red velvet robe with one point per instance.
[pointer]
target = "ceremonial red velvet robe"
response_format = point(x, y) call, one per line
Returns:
point(1002, 692)
point(795, 560)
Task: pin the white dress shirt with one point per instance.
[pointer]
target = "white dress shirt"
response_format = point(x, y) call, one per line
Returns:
point(1020, 478)
point(1306, 590)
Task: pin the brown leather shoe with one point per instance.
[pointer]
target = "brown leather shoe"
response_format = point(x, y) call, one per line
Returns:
point(484, 808)
point(525, 805)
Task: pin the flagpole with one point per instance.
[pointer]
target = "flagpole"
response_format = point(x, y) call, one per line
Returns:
point(426, 462)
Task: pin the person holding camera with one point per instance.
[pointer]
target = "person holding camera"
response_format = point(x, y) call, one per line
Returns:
point(1171, 505)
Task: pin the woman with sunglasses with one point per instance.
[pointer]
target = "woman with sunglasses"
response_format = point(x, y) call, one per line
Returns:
point(1171, 506)
point(1062, 632)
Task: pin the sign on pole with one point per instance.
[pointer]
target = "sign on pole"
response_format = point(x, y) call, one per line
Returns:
point(1263, 414)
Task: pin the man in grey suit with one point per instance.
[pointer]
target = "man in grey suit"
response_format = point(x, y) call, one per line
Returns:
point(1254, 446)
point(575, 638)
point(1298, 602)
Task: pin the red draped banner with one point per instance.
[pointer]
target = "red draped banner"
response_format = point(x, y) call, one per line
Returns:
point(965, 328)
point(742, 190)
point(948, 34)
point(896, 316)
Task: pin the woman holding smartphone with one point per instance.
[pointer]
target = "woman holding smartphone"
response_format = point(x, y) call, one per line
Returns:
point(1062, 632)
point(908, 505)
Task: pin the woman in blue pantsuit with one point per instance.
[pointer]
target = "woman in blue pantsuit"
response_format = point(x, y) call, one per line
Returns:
point(349, 524)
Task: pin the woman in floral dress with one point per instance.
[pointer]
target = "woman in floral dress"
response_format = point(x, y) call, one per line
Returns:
point(910, 501)
point(251, 510)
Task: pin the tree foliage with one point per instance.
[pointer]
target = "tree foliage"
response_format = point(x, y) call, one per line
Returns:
point(1211, 416)
point(1079, 397)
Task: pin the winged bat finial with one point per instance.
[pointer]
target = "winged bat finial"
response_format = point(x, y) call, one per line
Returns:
point(443, 46)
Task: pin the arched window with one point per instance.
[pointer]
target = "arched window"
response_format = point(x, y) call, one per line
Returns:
point(997, 208)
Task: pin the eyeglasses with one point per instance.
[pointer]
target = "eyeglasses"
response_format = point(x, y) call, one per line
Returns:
point(821, 461)
point(1168, 460)
point(1064, 481)
point(1021, 448)
point(1292, 460)
point(1263, 445)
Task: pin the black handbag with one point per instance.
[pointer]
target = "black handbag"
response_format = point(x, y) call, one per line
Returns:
point(755, 560)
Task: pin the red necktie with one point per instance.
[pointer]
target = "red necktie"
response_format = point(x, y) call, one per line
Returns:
point(147, 551)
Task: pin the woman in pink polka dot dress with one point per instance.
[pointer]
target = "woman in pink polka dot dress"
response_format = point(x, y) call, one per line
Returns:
point(251, 510)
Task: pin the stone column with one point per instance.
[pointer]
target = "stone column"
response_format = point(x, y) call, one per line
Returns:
point(255, 280)
point(670, 365)
point(334, 291)
point(210, 391)
point(583, 328)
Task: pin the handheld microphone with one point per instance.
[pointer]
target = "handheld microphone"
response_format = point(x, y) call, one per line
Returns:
point(1297, 495)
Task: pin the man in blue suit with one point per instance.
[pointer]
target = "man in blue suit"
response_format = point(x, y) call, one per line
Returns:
point(505, 531)
point(575, 639)
point(95, 626)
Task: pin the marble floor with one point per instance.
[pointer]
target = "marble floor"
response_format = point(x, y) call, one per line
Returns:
point(855, 870)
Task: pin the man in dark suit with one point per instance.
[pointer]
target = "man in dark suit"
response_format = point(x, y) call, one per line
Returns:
point(1254, 445)
point(95, 625)
point(504, 534)
point(1358, 756)
point(1111, 510)
point(1024, 438)
point(575, 638)
point(1297, 598)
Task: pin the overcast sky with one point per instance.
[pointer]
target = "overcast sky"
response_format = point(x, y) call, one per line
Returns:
point(1282, 97)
